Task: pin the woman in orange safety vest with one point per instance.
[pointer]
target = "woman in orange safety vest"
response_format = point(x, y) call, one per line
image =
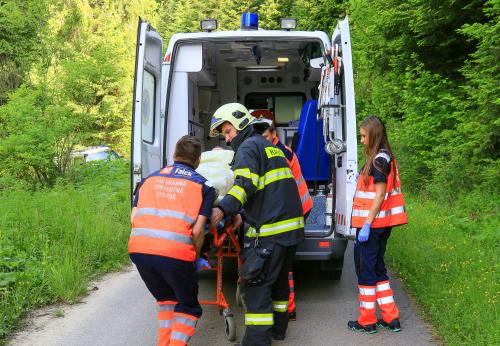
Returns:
point(378, 206)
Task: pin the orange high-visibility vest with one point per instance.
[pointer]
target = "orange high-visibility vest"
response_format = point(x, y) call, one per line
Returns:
point(294, 164)
point(392, 211)
point(167, 209)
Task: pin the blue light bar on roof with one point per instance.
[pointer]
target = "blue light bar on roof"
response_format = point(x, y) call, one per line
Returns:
point(249, 21)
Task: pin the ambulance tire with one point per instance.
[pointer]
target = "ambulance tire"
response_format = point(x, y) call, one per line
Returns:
point(230, 328)
point(331, 269)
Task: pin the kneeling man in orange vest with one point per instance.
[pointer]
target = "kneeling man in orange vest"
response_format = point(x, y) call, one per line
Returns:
point(170, 211)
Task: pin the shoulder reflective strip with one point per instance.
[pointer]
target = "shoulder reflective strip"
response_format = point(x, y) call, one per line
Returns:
point(185, 321)
point(385, 300)
point(371, 195)
point(381, 214)
point(367, 291)
point(367, 305)
point(300, 180)
point(259, 319)
point(180, 336)
point(238, 193)
point(166, 307)
point(280, 306)
point(278, 227)
point(164, 213)
point(245, 172)
point(274, 175)
point(384, 155)
point(383, 287)
point(305, 197)
point(164, 323)
point(160, 234)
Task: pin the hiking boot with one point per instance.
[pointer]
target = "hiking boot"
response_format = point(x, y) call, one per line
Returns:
point(292, 316)
point(354, 325)
point(394, 326)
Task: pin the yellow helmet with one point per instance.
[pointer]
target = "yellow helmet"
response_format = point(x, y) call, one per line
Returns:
point(234, 113)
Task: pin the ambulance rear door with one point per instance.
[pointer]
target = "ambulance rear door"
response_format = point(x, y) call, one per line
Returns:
point(337, 108)
point(146, 124)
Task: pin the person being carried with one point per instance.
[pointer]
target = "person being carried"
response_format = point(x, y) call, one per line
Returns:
point(377, 207)
point(169, 214)
point(306, 200)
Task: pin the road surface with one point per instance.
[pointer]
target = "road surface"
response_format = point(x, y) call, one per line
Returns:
point(122, 312)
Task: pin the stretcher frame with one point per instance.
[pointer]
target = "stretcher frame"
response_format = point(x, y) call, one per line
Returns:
point(227, 245)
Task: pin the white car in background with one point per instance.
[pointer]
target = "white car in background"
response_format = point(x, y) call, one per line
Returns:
point(98, 153)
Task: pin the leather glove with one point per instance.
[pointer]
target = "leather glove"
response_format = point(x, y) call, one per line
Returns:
point(364, 233)
point(201, 263)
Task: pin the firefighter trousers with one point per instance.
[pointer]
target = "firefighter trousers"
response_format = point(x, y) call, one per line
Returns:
point(266, 302)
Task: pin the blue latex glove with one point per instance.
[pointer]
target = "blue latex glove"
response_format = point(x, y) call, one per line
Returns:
point(201, 263)
point(364, 233)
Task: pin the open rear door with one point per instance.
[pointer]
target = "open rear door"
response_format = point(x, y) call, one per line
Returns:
point(337, 109)
point(146, 127)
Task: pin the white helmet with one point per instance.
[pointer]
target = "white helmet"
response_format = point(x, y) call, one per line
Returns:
point(234, 113)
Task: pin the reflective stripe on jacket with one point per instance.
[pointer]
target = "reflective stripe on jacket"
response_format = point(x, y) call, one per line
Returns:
point(293, 162)
point(392, 211)
point(167, 208)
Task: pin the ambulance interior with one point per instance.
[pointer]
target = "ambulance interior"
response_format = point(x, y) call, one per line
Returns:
point(272, 77)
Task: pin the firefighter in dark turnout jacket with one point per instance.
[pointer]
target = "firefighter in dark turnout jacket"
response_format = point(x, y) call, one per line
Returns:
point(264, 185)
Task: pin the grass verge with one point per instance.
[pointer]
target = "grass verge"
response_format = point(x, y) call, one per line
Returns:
point(448, 258)
point(53, 242)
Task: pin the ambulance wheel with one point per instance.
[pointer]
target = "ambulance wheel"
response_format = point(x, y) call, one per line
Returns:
point(239, 298)
point(230, 328)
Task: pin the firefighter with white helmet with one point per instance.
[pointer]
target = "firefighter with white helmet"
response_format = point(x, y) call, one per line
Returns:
point(265, 187)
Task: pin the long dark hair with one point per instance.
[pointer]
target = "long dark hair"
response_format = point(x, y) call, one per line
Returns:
point(377, 140)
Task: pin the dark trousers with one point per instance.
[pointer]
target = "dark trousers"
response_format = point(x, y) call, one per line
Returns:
point(369, 257)
point(266, 296)
point(170, 279)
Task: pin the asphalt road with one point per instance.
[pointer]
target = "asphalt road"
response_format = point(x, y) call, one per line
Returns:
point(122, 312)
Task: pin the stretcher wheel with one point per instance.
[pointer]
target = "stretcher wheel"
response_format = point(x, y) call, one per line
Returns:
point(230, 328)
point(239, 298)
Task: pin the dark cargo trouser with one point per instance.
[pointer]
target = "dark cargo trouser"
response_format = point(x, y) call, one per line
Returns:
point(266, 303)
point(369, 257)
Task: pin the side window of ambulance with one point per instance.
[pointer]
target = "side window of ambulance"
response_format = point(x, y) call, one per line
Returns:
point(148, 107)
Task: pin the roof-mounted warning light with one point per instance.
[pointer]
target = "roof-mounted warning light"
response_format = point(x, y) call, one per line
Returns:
point(249, 21)
point(288, 23)
point(208, 24)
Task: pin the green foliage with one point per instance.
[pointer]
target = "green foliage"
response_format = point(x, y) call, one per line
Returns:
point(449, 261)
point(21, 21)
point(35, 138)
point(318, 14)
point(430, 70)
point(55, 241)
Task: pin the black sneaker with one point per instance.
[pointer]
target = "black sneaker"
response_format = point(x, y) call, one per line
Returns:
point(394, 326)
point(277, 336)
point(354, 325)
point(292, 316)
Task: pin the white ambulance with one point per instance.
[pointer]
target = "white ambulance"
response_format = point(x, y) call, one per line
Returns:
point(303, 80)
